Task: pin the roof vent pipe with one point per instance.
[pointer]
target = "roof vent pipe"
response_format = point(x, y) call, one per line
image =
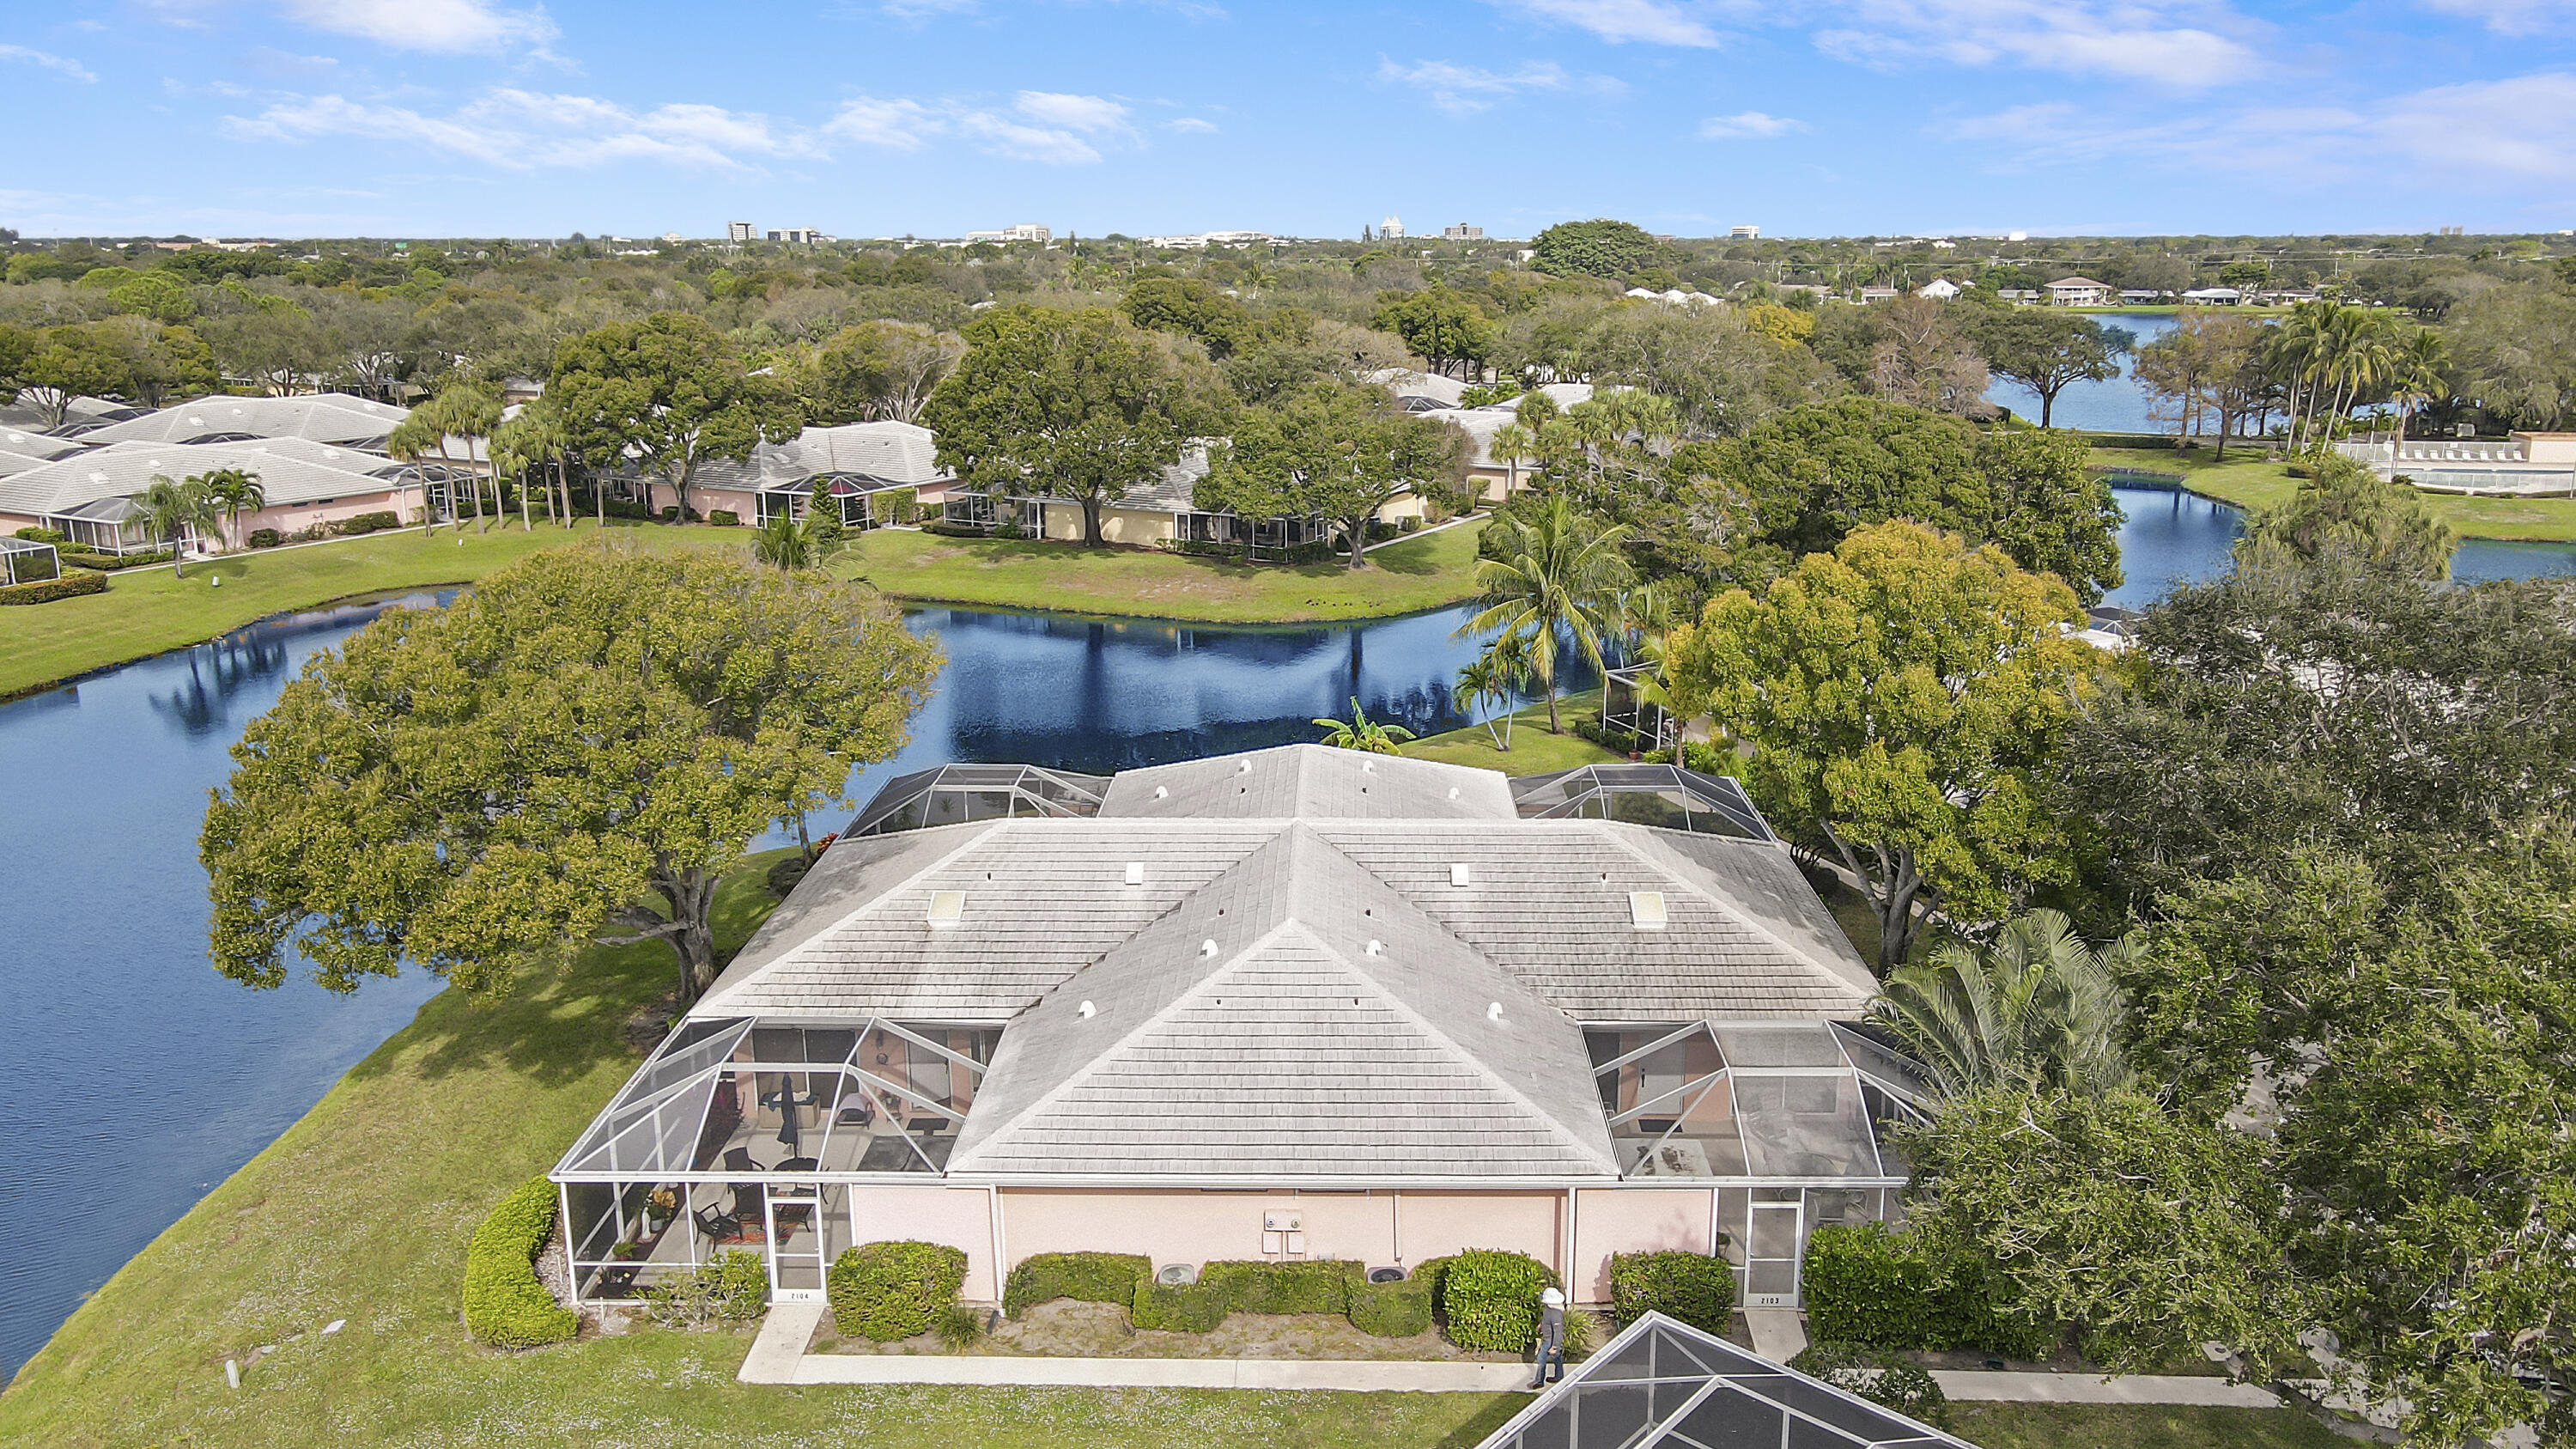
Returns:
point(1086, 1011)
point(1208, 946)
point(1162, 791)
point(1493, 1011)
point(1376, 947)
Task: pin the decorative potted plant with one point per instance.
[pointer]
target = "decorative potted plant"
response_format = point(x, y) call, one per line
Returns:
point(660, 1206)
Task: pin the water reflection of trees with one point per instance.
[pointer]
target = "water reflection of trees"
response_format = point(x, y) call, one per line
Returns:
point(216, 673)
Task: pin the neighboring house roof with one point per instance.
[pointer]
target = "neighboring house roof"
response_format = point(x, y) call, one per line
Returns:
point(875, 455)
point(1174, 490)
point(21, 450)
point(1404, 382)
point(81, 415)
point(1309, 782)
point(330, 417)
point(290, 471)
point(2078, 284)
point(1252, 1028)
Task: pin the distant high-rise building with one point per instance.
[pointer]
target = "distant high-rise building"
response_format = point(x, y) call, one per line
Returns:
point(740, 231)
point(805, 234)
point(1745, 233)
point(1462, 232)
point(1390, 230)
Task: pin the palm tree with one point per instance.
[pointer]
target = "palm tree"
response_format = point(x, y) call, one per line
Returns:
point(1359, 732)
point(2039, 1008)
point(529, 443)
point(463, 412)
point(169, 511)
point(784, 544)
point(236, 493)
point(1480, 684)
point(1559, 580)
point(2416, 380)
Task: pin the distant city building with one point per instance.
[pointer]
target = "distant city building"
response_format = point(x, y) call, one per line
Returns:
point(1878, 294)
point(1744, 233)
point(804, 234)
point(1462, 232)
point(1390, 230)
point(740, 231)
point(2016, 236)
point(2078, 292)
point(673, 237)
point(1939, 289)
point(1198, 241)
point(1027, 231)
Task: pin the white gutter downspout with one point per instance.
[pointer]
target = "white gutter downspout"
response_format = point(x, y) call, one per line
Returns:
point(1565, 1262)
point(572, 1250)
point(1001, 1266)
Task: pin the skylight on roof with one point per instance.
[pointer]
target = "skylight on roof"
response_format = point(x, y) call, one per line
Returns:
point(947, 908)
point(1646, 910)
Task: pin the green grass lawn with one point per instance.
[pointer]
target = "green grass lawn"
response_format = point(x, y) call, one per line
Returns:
point(1534, 751)
point(1402, 578)
point(2136, 1426)
point(2248, 482)
point(146, 611)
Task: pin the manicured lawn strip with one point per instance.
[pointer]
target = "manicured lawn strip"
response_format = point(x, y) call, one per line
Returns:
point(1534, 751)
point(146, 611)
point(1402, 578)
point(2248, 482)
point(363, 1209)
point(2135, 1426)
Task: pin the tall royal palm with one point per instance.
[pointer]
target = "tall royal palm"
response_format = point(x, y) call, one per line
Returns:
point(236, 493)
point(171, 511)
point(1558, 581)
point(2039, 1008)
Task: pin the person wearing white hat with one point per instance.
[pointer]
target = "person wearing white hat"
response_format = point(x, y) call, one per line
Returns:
point(1551, 1337)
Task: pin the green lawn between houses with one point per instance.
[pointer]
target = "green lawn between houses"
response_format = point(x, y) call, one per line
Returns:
point(2249, 482)
point(1534, 751)
point(1404, 577)
point(362, 1210)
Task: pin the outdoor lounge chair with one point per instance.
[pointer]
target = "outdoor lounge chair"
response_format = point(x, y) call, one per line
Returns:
point(719, 1227)
point(738, 1159)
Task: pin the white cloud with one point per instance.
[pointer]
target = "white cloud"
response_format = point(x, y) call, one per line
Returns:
point(2512, 17)
point(523, 130)
point(1748, 126)
point(2518, 131)
point(2183, 44)
point(1072, 113)
point(48, 60)
point(449, 26)
point(1653, 22)
point(1191, 124)
point(1004, 137)
point(895, 125)
point(1466, 89)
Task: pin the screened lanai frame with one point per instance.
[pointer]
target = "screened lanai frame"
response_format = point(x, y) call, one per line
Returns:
point(1662, 1384)
point(1661, 795)
point(663, 1179)
point(955, 794)
point(24, 561)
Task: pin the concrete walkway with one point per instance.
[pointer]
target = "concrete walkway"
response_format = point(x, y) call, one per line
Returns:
point(781, 1344)
point(1352, 1376)
point(2186, 1389)
point(1779, 1334)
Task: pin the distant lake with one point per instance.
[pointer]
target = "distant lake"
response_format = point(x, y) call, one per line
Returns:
point(2116, 406)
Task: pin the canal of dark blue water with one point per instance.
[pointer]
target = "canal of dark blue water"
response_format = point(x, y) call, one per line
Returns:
point(135, 1078)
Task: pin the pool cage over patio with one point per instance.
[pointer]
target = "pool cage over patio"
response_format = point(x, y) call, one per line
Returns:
point(23, 561)
point(955, 794)
point(1666, 1384)
point(743, 1134)
point(1788, 1122)
point(1664, 795)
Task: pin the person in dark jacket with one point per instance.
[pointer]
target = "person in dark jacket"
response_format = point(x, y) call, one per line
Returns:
point(1551, 1337)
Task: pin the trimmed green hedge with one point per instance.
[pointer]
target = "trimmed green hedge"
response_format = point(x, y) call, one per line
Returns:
point(725, 518)
point(505, 1305)
point(1880, 1377)
point(1873, 1288)
point(890, 1291)
point(1403, 1308)
point(362, 523)
point(1693, 1287)
point(44, 591)
point(110, 562)
point(1196, 1308)
point(1087, 1277)
point(1258, 1287)
point(1489, 1299)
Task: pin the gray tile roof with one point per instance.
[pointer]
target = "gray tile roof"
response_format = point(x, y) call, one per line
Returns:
point(881, 454)
point(1310, 782)
point(291, 471)
point(330, 417)
point(1293, 1016)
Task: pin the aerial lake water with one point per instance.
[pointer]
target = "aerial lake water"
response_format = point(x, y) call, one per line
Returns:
point(2116, 406)
point(137, 1079)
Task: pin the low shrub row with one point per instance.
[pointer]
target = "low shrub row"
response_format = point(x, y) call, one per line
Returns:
point(732, 1289)
point(1880, 1377)
point(895, 505)
point(265, 538)
point(725, 518)
point(953, 530)
point(1870, 1287)
point(108, 563)
point(364, 523)
point(42, 535)
point(505, 1305)
point(1611, 737)
point(1489, 1299)
point(890, 1291)
point(44, 591)
point(1692, 1287)
point(1085, 1277)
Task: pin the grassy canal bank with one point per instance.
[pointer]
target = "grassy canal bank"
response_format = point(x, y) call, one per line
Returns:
point(146, 611)
point(2247, 481)
point(361, 1212)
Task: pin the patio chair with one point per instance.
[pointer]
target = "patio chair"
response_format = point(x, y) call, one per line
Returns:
point(719, 1227)
point(738, 1159)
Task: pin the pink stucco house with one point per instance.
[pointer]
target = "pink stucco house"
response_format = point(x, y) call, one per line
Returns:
point(1296, 1003)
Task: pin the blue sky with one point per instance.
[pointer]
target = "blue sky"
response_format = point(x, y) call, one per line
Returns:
point(928, 117)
